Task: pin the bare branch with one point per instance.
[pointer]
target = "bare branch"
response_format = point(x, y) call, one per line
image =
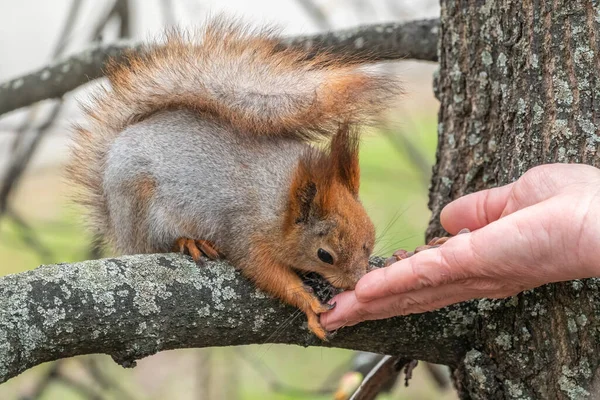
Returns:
point(417, 40)
point(396, 41)
point(135, 306)
point(59, 77)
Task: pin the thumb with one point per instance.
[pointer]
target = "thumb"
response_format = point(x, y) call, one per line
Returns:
point(475, 210)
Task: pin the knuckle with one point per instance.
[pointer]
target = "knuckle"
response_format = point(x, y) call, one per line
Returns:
point(361, 313)
point(426, 275)
point(409, 305)
point(450, 267)
point(399, 307)
point(544, 173)
point(482, 285)
point(482, 208)
point(537, 171)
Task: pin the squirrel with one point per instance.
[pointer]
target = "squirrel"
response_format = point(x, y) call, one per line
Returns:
point(211, 145)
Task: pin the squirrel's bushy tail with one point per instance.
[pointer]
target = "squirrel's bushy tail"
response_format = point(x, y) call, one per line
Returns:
point(227, 71)
point(246, 77)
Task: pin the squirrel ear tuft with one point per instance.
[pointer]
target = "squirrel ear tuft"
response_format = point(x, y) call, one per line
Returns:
point(304, 198)
point(344, 156)
point(309, 192)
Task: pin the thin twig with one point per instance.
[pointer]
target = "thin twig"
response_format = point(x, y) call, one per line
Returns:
point(440, 375)
point(387, 369)
point(103, 21)
point(124, 13)
point(63, 38)
point(204, 374)
point(120, 10)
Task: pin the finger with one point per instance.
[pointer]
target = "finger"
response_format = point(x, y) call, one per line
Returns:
point(338, 318)
point(475, 210)
point(540, 183)
point(429, 268)
point(349, 311)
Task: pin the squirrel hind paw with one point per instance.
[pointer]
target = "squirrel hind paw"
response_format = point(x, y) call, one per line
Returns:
point(208, 249)
point(196, 249)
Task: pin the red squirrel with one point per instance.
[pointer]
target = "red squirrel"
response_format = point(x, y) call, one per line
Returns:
point(209, 144)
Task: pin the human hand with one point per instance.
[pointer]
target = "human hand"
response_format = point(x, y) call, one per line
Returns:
point(543, 228)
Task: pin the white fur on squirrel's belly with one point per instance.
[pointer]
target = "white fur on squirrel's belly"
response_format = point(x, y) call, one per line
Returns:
point(209, 183)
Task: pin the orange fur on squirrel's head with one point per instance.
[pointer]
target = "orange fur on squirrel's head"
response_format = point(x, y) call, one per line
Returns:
point(327, 230)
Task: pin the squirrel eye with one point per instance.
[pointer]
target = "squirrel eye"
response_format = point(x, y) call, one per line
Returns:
point(325, 256)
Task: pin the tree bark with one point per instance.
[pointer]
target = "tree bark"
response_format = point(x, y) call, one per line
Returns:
point(518, 85)
point(135, 306)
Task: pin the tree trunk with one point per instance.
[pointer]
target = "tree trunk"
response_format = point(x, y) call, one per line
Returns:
point(518, 87)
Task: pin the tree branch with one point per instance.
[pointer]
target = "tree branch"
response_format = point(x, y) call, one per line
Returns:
point(396, 41)
point(416, 39)
point(135, 306)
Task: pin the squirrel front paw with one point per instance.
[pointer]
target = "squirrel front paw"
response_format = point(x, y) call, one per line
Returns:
point(315, 326)
point(316, 308)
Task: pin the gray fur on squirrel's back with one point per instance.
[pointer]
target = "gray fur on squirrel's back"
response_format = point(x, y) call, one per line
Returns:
point(204, 178)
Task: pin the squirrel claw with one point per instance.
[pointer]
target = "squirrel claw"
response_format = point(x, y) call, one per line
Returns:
point(185, 245)
point(331, 306)
point(315, 327)
point(208, 249)
point(319, 308)
point(196, 249)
